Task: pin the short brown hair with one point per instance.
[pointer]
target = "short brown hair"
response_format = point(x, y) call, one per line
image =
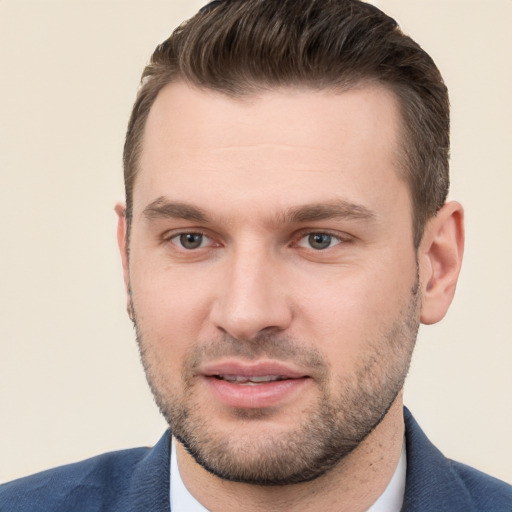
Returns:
point(239, 47)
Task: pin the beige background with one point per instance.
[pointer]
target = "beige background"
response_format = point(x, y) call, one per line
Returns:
point(70, 381)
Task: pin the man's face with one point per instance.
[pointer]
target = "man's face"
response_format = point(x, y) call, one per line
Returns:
point(273, 276)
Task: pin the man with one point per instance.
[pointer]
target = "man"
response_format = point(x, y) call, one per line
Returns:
point(285, 232)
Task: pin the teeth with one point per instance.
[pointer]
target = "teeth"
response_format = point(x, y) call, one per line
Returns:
point(254, 379)
point(265, 378)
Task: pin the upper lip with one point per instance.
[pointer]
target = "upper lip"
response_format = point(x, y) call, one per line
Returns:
point(251, 369)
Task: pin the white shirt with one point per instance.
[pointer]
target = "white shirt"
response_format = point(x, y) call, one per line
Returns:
point(390, 500)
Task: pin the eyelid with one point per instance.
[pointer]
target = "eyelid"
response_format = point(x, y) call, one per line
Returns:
point(340, 236)
point(170, 236)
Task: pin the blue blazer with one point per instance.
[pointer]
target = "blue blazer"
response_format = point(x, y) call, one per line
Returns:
point(137, 480)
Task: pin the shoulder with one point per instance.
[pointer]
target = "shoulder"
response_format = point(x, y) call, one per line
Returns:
point(438, 484)
point(486, 492)
point(93, 484)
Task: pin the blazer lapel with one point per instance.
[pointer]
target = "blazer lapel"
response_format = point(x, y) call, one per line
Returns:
point(431, 485)
point(149, 486)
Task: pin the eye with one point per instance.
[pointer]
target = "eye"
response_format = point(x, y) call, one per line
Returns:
point(190, 241)
point(319, 241)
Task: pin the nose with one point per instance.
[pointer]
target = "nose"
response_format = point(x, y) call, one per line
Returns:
point(252, 297)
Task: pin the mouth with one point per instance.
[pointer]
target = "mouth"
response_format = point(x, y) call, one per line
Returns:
point(251, 380)
point(253, 385)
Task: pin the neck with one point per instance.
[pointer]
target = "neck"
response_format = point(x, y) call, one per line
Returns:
point(352, 486)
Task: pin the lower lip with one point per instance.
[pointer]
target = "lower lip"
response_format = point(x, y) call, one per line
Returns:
point(255, 396)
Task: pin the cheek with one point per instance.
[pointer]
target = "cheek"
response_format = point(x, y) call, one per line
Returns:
point(347, 311)
point(171, 309)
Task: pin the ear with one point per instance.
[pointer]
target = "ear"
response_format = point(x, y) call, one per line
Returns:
point(122, 242)
point(440, 259)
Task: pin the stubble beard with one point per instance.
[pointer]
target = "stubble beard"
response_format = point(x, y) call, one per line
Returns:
point(324, 434)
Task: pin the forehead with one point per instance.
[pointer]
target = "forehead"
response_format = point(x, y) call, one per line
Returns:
point(280, 145)
point(326, 116)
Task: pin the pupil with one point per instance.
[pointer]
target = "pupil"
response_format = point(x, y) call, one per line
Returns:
point(319, 240)
point(191, 240)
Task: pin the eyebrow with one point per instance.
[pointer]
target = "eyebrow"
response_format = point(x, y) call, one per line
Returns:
point(330, 210)
point(162, 208)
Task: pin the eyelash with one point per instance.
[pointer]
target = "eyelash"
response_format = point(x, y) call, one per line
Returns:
point(170, 238)
point(339, 239)
point(333, 237)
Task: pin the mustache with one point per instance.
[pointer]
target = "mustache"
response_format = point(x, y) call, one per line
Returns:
point(264, 346)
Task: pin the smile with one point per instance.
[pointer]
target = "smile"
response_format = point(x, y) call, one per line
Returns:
point(253, 379)
point(237, 384)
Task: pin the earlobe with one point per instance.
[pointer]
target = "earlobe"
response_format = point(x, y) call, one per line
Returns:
point(440, 259)
point(122, 241)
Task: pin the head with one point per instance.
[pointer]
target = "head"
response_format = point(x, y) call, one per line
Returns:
point(240, 47)
point(284, 233)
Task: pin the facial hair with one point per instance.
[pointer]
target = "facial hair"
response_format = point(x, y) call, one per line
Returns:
point(326, 432)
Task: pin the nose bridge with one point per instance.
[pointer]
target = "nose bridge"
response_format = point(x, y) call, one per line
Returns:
point(252, 297)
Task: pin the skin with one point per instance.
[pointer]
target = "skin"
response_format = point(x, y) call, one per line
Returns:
point(244, 174)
